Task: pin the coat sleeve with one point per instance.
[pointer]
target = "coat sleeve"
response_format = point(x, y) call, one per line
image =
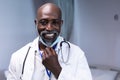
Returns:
point(79, 70)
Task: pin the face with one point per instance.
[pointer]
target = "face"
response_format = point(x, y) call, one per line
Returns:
point(48, 23)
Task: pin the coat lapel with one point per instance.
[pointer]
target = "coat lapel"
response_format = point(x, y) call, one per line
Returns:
point(29, 65)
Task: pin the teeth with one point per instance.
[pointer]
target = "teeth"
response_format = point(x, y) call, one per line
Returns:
point(50, 35)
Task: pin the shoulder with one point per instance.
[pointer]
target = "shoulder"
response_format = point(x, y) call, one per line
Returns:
point(75, 47)
point(23, 51)
point(76, 50)
point(20, 53)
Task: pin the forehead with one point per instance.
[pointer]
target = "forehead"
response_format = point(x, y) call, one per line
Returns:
point(48, 11)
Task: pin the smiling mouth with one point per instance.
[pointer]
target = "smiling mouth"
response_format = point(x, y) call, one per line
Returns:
point(49, 36)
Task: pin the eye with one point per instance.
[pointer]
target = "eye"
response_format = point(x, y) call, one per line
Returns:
point(56, 22)
point(43, 22)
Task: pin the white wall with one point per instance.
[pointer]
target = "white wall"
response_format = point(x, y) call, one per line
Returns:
point(16, 27)
point(98, 34)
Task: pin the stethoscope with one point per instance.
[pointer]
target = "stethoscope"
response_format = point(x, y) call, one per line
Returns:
point(64, 61)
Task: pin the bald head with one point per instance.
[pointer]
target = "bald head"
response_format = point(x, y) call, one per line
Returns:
point(49, 9)
point(48, 22)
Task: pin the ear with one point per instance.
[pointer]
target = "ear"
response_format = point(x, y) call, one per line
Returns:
point(36, 23)
point(61, 22)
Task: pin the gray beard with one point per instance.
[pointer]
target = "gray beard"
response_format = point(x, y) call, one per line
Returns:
point(47, 42)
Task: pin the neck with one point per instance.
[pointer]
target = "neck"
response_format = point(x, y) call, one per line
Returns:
point(42, 46)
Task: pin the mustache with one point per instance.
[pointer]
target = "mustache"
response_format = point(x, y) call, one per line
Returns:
point(49, 32)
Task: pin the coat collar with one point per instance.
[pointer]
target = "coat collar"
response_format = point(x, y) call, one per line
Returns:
point(35, 43)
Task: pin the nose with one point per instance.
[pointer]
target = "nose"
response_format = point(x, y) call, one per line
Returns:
point(49, 26)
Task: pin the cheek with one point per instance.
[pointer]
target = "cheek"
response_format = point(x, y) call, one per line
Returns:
point(40, 27)
point(40, 30)
point(59, 29)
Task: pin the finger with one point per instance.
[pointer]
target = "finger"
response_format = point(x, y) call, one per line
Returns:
point(53, 51)
point(45, 55)
point(48, 51)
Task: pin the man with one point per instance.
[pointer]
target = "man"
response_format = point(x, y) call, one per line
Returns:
point(49, 56)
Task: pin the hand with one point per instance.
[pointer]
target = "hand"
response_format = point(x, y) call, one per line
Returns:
point(50, 61)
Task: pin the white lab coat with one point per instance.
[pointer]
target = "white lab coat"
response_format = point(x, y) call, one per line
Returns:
point(75, 69)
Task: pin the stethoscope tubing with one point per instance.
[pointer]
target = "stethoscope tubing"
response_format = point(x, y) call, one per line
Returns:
point(24, 63)
point(64, 41)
